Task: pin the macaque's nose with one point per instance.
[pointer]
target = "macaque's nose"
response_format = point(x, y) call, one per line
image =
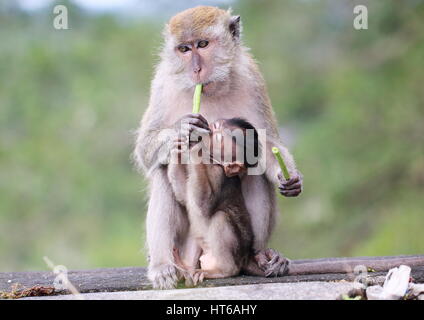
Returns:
point(197, 69)
point(196, 64)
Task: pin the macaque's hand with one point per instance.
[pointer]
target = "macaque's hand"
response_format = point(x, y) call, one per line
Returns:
point(291, 187)
point(192, 122)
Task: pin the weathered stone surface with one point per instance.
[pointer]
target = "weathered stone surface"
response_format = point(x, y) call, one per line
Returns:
point(134, 279)
point(271, 291)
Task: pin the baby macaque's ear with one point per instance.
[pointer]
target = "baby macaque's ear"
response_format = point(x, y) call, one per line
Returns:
point(234, 169)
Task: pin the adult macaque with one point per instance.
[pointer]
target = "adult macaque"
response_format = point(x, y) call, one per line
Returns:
point(202, 45)
point(210, 190)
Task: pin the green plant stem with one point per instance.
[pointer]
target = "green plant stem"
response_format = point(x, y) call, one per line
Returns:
point(196, 98)
point(280, 160)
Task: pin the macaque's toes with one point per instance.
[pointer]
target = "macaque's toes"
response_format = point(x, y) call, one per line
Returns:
point(164, 276)
point(197, 277)
point(261, 260)
point(188, 281)
point(277, 265)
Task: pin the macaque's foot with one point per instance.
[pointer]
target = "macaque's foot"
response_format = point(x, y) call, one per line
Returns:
point(272, 262)
point(164, 276)
point(196, 277)
point(193, 277)
point(291, 187)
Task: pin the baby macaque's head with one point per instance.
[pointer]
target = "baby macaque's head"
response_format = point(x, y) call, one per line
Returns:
point(234, 144)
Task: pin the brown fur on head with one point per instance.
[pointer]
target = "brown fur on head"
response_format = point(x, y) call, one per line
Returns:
point(211, 64)
point(195, 21)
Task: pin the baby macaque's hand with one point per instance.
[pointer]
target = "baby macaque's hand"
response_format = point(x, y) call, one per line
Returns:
point(291, 187)
point(192, 126)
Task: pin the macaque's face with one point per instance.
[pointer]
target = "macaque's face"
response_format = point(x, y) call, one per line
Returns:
point(204, 61)
point(197, 56)
point(202, 46)
point(224, 150)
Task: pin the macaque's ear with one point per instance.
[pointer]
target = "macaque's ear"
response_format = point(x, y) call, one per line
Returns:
point(235, 27)
point(234, 169)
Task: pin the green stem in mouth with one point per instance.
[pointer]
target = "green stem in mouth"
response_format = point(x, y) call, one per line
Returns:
point(196, 98)
point(280, 160)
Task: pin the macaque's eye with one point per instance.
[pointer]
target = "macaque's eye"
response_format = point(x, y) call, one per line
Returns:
point(183, 48)
point(202, 43)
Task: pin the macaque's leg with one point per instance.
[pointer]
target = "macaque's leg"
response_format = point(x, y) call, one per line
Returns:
point(259, 198)
point(164, 222)
point(190, 252)
point(217, 260)
point(199, 275)
point(260, 201)
point(221, 241)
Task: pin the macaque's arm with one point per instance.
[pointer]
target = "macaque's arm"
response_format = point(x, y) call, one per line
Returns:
point(155, 139)
point(153, 142)
point(177, 171)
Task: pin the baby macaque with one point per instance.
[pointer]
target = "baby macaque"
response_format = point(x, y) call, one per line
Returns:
point(211, 191)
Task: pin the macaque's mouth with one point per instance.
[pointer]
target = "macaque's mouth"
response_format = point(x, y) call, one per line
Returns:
point(208, 87)
point(205, 84)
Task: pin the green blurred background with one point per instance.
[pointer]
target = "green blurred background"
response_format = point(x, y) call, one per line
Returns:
point(350, 104)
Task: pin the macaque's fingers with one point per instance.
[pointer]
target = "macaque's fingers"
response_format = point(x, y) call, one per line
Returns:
point(196, 278)
point(279, 268)
point(290, 193)
point(292, 187)
point(277, 264)
point(195, 119)
point(297, 185)
point(188, 280)
point(274, 259)
point(261, 260)
point(198, 116)
point(198, 130)
point(291, 181)
point(197, 123)
point(187, 129)
point(270, 253)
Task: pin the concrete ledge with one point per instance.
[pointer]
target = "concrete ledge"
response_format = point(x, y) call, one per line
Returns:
point(271, 291)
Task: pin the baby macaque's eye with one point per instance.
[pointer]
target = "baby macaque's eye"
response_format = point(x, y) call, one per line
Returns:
point(202, 43)
point(183, 48)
